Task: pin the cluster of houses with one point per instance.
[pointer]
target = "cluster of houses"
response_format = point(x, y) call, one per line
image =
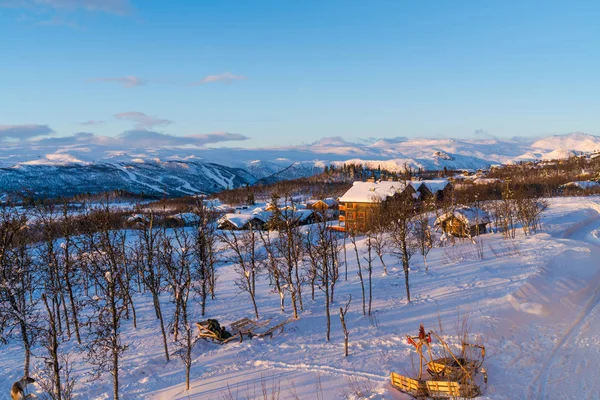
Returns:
point(353, 211)
point(259, 218)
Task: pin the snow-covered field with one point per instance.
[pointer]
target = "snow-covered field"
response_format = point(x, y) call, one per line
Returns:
point(533, 301)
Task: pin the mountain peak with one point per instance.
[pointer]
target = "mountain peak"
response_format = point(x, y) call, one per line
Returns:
point(578, 141)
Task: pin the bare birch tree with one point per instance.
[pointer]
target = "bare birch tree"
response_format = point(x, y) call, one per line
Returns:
point(246, 259)
point(147, 247)
point(272, 266)
point(105, 260)
point(18, 316)
point(401, 212)
point(179, 257)
point(359, 271)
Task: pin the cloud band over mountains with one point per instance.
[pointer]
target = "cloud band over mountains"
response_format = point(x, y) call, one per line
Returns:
point(136, 138)
point(23, 132)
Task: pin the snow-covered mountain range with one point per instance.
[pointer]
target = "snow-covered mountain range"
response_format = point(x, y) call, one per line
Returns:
point(52, 168)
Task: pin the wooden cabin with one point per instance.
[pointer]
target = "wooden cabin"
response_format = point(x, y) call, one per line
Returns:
point(464, 222)
point(360, 203)
point(317, 205)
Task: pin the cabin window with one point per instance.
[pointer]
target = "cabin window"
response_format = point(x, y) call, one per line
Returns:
point(350, 215)
point(349, 205)
point(361, 215)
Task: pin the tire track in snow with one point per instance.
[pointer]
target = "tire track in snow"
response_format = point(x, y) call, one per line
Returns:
point(539, 390)
point(318, 369)
point(573, 330)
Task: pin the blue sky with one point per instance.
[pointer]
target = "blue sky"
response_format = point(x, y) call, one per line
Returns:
point(291, 72)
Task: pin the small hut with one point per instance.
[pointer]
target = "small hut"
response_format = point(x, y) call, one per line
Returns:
point(464, 222)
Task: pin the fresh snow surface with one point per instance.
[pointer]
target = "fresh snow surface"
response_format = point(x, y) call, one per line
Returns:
point(533, 301)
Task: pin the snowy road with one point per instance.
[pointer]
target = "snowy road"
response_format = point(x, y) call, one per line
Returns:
point(561, 360)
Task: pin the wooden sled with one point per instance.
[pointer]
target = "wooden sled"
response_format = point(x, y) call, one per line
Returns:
point(269, 332)
point(239, 329)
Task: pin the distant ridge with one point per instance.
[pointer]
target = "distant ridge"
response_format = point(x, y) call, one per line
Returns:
point(54, 170)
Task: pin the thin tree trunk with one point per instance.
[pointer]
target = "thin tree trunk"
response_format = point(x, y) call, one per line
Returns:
point(405, 265)
point(163, 330)
point(73, 310)
point(380, 255)
point(298, 285)
point(343, 321)
point(64, 304)
point(114, 343)
point(345, 258)
point(26, 346)
point(362, 284)
point(53, 350)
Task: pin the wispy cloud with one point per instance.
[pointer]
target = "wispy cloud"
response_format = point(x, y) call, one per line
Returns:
point(91, 122)
point(137, 139)
point(142, 120)
point(126, 81)
point(22, 132)
point(117, 7)
point(217, 137)
point(146, 138)
point(226, 77)
point(77, 138)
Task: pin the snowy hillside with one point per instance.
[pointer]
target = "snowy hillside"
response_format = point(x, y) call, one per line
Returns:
point(94, 164)
point(532, 301)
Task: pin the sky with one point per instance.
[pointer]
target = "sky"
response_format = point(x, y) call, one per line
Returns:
point(274, 73)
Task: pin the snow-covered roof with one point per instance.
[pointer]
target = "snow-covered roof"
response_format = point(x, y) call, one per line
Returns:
point(187, 217)
point(238, 220)
point(211, 203)
point(372, 192)
point(468, 215)
point(434, 185)
point(582, 185)
point(300, 215)
point(264, 216)
point(137, 218)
